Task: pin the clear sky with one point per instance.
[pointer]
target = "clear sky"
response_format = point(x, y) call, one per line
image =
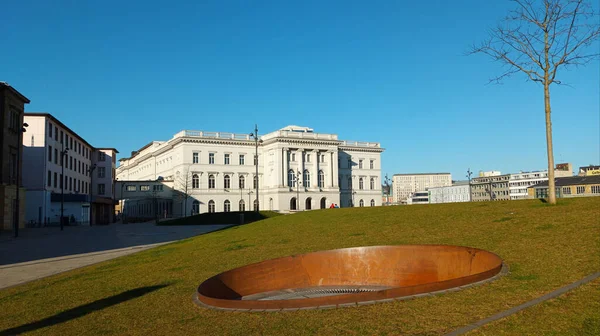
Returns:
point(124, 73)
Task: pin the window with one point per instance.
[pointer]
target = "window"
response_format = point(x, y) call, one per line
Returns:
point(566, 190)
point(596, 189)
point(195, 157)
point(195, 207)
point(49, 178)
point(321, 179)
point(144, 188)
point(371, 164)
point(101, 172)
point(101, 156)
point(580, 189)
point(195, 181)
point(360, 183)
point(226, 159)
point(291, 178)
point(157, 187)
point(211, 181)
point(61, 136)
point(307, 157)
point(372, 183)
point(226, 206)
point(360, 164)
point(55, 179)
point(242, 159)
point(211, 205)
point(14, 120)
point(55, 156)
point(255, 182)
point(226, 182)
point(349, 182)
point(71, 142)
point(306, 179)
point(70, 184)
point(242, 205)
point(255, 205)
point(71, 162)
point(349, 162)
point(49, 153)
point(322, 158)
point(361, 203)
point(131, 188)
point(293, 157)
point(372, 202)
point(50, 130)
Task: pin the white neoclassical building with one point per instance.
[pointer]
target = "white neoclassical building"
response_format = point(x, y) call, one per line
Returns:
point(215, 171)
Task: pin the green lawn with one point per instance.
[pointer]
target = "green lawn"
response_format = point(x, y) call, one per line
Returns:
point(150, 293)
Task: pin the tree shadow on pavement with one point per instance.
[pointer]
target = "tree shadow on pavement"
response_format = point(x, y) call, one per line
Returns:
point(82, 310)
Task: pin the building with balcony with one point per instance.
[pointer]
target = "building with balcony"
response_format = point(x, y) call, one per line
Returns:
point(407, 184)
point(12, 108)
point(61, 169)
point(298, 169)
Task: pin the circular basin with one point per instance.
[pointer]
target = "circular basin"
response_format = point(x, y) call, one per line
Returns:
point(347, 277)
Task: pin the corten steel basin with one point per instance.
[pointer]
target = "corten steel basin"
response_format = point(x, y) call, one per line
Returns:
point(347, 277)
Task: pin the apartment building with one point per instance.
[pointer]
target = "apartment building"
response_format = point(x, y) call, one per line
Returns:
point(298, 169)
point(407, 184)
point(459, 191)
point(64, 174)
point(12, 107)
point(520, 182)
point(490, 188)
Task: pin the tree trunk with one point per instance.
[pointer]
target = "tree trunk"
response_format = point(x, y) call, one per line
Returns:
point(551, 187)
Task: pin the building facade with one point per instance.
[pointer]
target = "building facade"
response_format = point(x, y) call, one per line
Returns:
point(575, 186)
point(146, 200)
point(590, 170)
point(298, 169)
point(490, 188)
point(12, 108)
point(63, 173)
point(457, 192)
point(520, 182)
point(407, 184)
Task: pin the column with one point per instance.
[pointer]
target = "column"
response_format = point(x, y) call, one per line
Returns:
point(314, 183)
point(286, 166)
point(334, 168)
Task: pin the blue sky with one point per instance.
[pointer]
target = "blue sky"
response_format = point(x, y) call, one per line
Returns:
point(124, 73)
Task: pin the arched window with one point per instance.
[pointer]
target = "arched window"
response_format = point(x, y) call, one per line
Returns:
point(211, 206)
point(255, 205)
point(308, 204)
point(293, 204)
point(242, 205)
point(291, 179)
point(211, 181)
point(195, 181)
point(372, 202)
point(361, 203)
point(349, 182)
point(242, 182)
point(372, 183)
point(306, 178)
point(360, 183)
point(321, 179)
point(195, 207)
point(255, 181)
point(226, 182)
point(226, 206)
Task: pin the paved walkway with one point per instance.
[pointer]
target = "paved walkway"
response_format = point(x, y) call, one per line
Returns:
point(42, 252)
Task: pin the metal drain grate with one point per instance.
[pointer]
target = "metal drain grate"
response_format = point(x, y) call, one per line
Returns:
point(313, 292)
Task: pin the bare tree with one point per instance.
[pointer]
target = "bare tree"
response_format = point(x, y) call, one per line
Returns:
point(538, 38)
point(183, 186)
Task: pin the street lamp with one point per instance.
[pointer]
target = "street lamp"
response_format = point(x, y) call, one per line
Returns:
point(91, 171)
point(256, 141)
point(469, 174)
point(17, 206)
point(297, 177)
point(63, 154)
point(387, 185)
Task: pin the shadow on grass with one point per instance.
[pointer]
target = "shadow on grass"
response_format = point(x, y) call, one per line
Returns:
point(82, 310)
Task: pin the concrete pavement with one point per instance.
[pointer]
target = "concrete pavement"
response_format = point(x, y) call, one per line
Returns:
point(42, 252)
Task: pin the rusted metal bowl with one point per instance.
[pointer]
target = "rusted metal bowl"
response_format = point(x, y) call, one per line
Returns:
point(347, 277)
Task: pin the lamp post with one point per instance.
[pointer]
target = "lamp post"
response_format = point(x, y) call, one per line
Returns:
point(18, 205)
point(249, 201)
point(387, 185)
point(297, 176)
point(469, 174)
point(63, 154)
point(91, 171)
point(256, 141)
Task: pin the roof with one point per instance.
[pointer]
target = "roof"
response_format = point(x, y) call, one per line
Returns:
point(108, 148)
point(569, 181)
point(7, 86)
point(422, 174)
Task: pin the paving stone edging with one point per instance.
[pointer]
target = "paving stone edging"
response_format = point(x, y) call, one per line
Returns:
point(502, 272)
point(525, 305)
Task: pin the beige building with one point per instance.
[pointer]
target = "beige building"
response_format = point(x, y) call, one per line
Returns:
point(12, 108)
point(575, 186)
point(407, 184)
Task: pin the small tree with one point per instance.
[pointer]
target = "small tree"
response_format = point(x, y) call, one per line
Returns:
point(183, 187)
point(538, 38)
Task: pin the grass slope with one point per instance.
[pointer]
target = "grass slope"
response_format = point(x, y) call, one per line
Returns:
point(150, 293)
